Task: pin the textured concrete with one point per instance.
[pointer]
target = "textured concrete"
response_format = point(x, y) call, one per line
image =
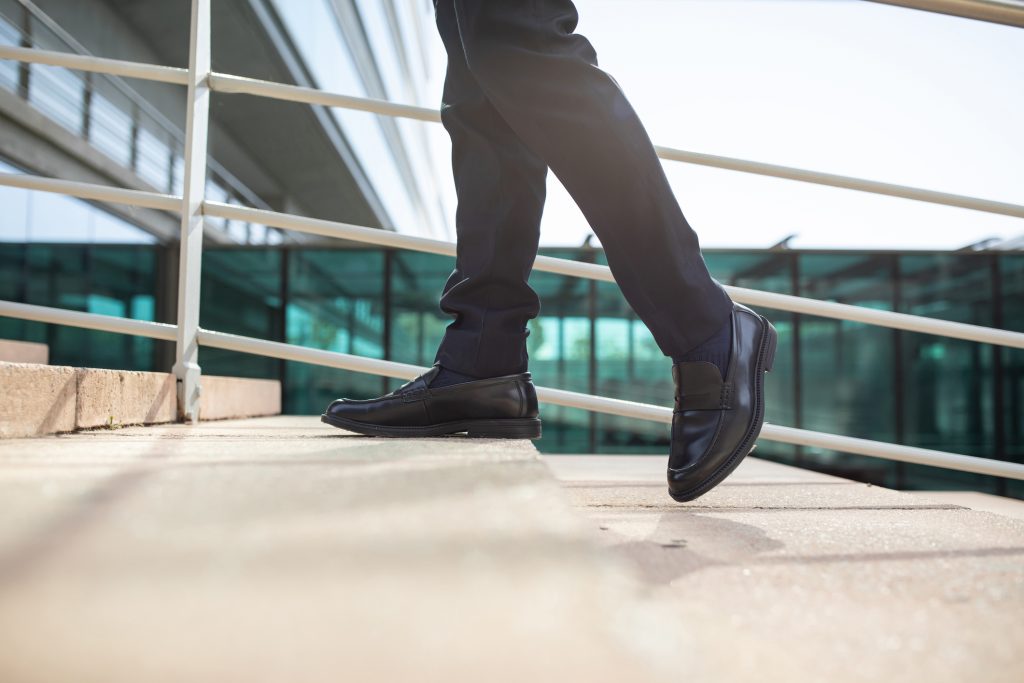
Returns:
point(24, 352)
point(975, 500)
point(112, 398)
point(281, 549)
point(234, 397)
point(52, 399)
point(790, 575)
point(36, 399)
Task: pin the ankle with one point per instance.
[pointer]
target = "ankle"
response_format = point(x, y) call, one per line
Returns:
point(447, 377)
point(715, 350)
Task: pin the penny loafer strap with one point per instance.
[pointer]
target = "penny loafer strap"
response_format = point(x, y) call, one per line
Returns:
point(699, 386)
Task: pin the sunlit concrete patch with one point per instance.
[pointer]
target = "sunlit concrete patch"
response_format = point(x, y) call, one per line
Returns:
point(815, 576)
point(283, 549)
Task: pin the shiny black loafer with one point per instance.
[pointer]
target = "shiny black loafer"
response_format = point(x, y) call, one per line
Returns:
point(716, 420)
point(497, 407)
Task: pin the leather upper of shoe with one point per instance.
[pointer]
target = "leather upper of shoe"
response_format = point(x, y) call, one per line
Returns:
point(712, 414)
point(415, 403)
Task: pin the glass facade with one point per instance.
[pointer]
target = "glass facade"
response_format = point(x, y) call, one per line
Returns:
point(358, 55)
point(830, 375)
point(115, 121)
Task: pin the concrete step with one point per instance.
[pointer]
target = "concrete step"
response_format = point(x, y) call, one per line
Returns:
point(49, 399)
point(281, 549)
point(790, 575)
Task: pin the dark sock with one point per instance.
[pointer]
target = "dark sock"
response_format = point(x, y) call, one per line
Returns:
point(715, 350)
point(448, 377)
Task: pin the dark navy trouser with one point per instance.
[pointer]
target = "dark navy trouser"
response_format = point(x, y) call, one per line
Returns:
point(523, 93)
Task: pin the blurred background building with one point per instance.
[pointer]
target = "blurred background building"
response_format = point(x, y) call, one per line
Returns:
point(832, 376)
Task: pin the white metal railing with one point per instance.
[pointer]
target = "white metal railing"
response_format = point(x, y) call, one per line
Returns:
point(570, 399)
point(1009, 12)
point(193, 207)
point(228, 84)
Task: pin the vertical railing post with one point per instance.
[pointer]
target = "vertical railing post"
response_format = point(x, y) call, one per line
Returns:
point(186, 365)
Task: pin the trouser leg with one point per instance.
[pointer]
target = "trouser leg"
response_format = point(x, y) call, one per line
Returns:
point(544, 82)
point(500, 186)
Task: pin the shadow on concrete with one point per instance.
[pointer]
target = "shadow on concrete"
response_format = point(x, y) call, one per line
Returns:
point(661, 562)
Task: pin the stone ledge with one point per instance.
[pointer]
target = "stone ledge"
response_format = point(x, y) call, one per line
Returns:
point(283, 549)
point(47, 399)
point(24, 352)
point(123, 397)
point(233, 397)
point(37, 399)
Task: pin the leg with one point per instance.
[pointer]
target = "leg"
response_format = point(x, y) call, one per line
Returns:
point(500, 184)
point(545, 83)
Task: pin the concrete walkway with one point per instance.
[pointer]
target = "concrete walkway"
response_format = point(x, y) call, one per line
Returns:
point(280, 549)
point(284, 550)
point(784, 574)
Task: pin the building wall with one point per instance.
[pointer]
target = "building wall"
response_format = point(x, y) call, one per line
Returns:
point(833, 376)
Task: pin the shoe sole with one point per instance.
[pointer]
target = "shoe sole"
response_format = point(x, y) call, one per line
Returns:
point(518, 428)
point(765, 361)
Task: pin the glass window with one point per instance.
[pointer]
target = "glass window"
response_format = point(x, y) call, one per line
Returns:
point(110, 128)
point(107, 279)
point(30, 216)
point(1010, 371)
point(847, 370)
point(417, 323)
point(949, 397)
point(59, 93)
point(153, 158)
point(560, 347)
point(335, 302)
point(241, 294)
point(9, 35)
point(327, 56)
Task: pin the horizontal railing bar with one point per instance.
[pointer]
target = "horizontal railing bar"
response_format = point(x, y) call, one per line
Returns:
point(230, 84)
point(992, 11)
point(239, 85)
point(611, 406)
point(326, 228)
point(249, 86)
point(569, 399)
point(102, 65)
point(844, 182)
point(800, 437)
point(149, 200)
point(592, 271)
point(89, 321)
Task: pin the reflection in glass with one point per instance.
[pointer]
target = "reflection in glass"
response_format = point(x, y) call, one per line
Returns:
point(830, 375)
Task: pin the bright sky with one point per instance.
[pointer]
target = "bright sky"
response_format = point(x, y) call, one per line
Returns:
point(842, 86)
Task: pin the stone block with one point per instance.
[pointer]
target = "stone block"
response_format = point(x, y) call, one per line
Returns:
point(36, 399)
point(123, 397)
point(24, 352)
point(233, 397)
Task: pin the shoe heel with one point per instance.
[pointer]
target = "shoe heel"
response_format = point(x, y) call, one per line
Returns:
point(772, 344)
point(526, 428)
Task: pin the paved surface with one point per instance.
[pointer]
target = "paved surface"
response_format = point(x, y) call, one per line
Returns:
point(976, 500)
point(280, 549)
point(785, 574)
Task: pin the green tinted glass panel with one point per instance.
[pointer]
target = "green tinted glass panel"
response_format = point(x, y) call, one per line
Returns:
point(241, 294)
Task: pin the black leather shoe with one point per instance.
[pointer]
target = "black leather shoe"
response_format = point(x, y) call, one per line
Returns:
point(716, 421)
point(497, 407)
